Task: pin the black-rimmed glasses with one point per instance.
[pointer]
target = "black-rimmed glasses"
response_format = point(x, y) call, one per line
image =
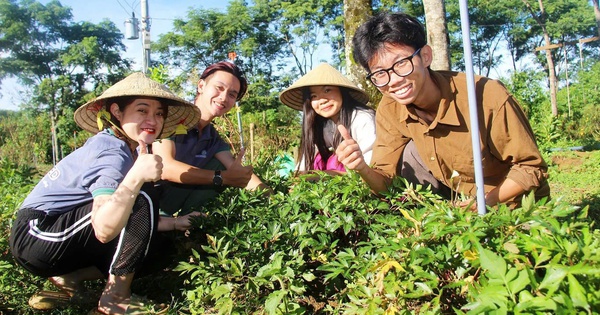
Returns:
point(401, 68)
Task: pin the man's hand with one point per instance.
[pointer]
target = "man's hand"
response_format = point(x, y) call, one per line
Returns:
point(237, 175)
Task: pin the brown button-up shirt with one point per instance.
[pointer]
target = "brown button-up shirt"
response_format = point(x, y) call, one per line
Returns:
point(506, 138)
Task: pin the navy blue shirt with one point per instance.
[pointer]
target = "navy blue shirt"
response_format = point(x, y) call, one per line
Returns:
point(198, 149)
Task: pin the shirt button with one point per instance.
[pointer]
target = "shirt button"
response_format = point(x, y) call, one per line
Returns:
point(432, 158)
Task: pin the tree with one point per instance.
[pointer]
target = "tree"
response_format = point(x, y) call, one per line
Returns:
point(356, 12)
point(560, 23)
point(541, 21)
point(437, 33)
point(44, 49)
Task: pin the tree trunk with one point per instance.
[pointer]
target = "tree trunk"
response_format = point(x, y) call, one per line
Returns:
point(551, 68)
point(541, 20)
point(437, 33)
point(597, 14)
point(356, 12)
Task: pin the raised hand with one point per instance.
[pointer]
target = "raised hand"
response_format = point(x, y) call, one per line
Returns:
point(147, 167)
point(236, 174)
point(348, 152)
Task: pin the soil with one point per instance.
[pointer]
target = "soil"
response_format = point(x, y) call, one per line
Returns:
point(568, 162)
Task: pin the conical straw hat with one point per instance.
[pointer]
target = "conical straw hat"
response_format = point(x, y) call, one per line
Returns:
point(180, 111)
point(324, 74)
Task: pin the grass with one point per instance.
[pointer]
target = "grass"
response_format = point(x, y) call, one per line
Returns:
point(574, 177)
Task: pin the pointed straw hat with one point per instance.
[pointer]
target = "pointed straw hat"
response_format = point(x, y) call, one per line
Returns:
point(324, 74)
point(180, 112)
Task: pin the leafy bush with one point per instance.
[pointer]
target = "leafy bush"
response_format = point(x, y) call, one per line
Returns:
point(330, 247)
point(15, 182)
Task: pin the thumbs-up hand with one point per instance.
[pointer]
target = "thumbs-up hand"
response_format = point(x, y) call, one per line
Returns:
point(348, 152)
point(148, 167)
point(237, 175)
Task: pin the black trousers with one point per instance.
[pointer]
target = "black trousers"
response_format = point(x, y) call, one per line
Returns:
point(52, 245)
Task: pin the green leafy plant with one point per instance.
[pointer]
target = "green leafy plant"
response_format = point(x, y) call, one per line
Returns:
point(330, 247)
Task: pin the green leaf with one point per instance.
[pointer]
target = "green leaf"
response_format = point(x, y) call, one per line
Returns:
point(494, 264)
point(538, 303)
point(309, 276)
point(519, 283)
point(577, 293)
point(543, 256)
point(220, 291)
point(273, 301)
point(553, 279)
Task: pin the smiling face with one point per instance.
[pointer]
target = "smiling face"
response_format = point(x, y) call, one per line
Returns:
point(142, 119)
point(326, 100)
point(217, 94)
point(411, 89)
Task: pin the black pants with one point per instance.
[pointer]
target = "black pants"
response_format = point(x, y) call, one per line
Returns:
point(52, 245)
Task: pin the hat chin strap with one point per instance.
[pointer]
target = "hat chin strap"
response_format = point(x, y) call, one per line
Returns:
point(117, 129)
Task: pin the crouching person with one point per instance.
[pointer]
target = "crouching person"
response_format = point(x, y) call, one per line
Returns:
point(94, 214)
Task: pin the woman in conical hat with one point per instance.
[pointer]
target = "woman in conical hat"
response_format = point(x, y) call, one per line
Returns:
point(328, 99)
point(92, 216)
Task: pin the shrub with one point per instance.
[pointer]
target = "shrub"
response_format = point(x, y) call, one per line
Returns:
point(15, 182)
point(331, 247)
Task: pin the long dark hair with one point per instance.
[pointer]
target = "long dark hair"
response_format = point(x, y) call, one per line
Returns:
point(312, 127)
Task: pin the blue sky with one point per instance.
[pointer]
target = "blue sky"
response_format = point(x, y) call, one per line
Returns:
point(161, 12)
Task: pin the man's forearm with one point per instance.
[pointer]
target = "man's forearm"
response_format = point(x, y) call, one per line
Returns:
point(377, 182)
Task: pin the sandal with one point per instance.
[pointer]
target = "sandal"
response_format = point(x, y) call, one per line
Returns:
point(46, 300)
point(139, 305)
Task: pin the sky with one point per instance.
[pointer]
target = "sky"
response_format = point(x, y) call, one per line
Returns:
point(161, 12)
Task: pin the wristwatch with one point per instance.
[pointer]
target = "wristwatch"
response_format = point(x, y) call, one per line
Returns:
point(217, 179)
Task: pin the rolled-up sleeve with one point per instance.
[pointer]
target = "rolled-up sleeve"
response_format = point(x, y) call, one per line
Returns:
point(512, 140)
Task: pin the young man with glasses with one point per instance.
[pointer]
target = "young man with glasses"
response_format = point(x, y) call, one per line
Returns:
point(423, 128)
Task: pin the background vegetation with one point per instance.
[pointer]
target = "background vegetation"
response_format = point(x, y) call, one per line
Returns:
point(329, 247)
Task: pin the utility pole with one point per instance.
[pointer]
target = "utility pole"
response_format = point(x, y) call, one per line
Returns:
point(145, 36)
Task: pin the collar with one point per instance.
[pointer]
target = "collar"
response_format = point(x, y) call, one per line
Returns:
point(447, 112)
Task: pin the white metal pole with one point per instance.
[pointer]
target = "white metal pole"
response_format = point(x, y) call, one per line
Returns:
point(145, 36)
point(232, 55)
point(473, 115)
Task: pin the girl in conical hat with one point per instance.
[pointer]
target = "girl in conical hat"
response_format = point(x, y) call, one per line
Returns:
point(328, 99)
point(92, 216)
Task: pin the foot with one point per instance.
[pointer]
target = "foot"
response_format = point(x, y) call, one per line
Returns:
point(135, 304)
point(67, 285)
point(113, 304)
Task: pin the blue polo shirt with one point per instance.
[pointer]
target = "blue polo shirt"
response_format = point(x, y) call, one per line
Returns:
point(94, 169)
